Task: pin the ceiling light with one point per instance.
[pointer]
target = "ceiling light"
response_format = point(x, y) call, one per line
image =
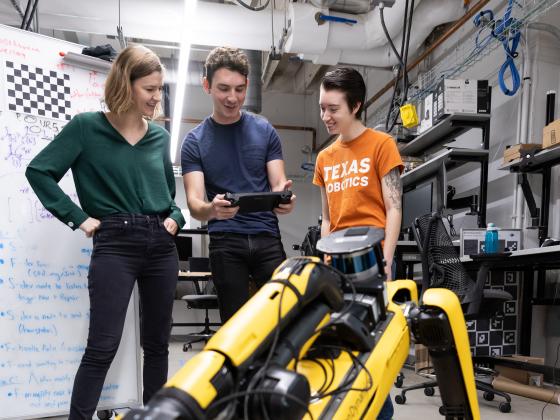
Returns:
point(184, 53)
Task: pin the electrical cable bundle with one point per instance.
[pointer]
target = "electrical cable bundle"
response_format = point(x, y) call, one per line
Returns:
point(251, 389)
point(28, 15)
point(399, 96)
point(506, 31)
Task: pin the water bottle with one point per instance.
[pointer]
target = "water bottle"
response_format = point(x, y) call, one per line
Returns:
point(491, 239)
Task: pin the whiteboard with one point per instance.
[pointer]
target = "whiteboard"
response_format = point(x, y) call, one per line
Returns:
point(44, 303)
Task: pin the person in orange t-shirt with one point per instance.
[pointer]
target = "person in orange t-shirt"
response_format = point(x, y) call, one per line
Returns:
point(359, 174)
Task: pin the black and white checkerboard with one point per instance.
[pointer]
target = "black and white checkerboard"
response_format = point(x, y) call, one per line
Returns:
point(36, 91)
point(497, 336)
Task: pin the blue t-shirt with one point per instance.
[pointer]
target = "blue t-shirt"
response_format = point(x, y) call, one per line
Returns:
point(233, 159)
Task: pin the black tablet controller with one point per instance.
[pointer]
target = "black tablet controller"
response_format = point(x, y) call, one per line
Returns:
point(263, 201)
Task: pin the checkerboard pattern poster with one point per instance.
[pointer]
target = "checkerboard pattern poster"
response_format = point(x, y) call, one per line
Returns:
point(37, 91)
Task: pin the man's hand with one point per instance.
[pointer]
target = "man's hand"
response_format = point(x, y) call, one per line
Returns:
point(89, 226)
point(221, 209)
point(286, 208)
point(170, 225)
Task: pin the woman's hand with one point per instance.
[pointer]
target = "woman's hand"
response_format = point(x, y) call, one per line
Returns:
point(171, 226)
point(89, 226)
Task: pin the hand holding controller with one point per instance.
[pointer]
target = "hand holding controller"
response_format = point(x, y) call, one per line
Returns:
point(257, 202)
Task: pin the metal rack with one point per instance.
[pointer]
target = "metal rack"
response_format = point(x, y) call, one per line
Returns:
point(446, 131)
point(466, 53)
point(539, 162)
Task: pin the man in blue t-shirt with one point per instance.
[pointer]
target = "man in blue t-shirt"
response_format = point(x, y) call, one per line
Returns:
point(234, 151)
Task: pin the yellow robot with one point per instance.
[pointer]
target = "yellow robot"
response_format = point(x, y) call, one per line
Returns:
point(323, 341)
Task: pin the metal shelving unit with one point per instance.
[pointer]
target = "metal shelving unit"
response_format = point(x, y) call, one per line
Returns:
point(540, 162)
point(452, 158)
point(437, 167)
point(542, 159)
point(447, 130)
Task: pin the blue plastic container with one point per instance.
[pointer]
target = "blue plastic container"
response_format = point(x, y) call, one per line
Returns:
point(491, 239)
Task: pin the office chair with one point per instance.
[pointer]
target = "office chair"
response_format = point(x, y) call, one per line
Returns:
point(205, 298)
point(309, 245)
point(441, 267)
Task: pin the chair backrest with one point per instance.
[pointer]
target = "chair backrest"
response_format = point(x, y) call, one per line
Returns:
point(309, 245)
point(441, 266)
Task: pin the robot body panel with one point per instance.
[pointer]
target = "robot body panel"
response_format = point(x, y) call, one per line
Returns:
point(295, 350)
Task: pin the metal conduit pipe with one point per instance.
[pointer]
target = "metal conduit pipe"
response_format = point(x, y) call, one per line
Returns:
point(312, 130)
point(523, 135)
point(253, 99)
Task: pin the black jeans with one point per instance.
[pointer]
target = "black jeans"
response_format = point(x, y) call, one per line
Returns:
point(233, 258)
point(127, 248)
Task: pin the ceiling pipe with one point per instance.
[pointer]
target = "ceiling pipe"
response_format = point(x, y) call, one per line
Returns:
point(312, 130)
point(309, 35)
point(253, 99)
point(427, 15)
point(227, 24)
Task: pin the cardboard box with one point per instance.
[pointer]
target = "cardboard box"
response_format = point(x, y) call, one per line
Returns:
point(519, 375)
point(516, 151)
point(462, 95)
point(426, 113)
point(422, 363)
point(551, 134)
point(472, 240)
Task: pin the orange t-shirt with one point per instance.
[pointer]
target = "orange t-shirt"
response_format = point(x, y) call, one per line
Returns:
point(351, 174)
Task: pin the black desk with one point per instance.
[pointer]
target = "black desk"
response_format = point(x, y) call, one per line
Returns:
point(529, 262)
point(406, 255)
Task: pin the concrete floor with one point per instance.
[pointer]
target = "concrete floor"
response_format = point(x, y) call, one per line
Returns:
point(418, 406)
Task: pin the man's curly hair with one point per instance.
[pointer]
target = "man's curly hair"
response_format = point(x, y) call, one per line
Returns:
point(232, 59)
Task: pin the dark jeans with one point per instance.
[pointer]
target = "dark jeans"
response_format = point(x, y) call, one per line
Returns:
point(233, 258)
point(126, 249)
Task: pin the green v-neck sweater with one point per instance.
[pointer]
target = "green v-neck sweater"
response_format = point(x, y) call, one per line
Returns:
point(111, 176)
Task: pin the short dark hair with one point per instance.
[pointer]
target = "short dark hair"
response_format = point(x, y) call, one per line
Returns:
point(350, 82)
point(232, 59)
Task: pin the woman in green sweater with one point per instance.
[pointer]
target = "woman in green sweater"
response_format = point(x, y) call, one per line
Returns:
point(122, 171)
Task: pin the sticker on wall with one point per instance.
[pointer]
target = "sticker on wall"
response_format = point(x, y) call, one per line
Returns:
point(510, 307)
point(510, 278)
point(482, 338)
point(495, 351)
point(510, 337)
point(37, 91)
point(496, 324)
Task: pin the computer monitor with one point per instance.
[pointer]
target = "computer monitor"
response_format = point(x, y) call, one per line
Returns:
point(416, 202)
